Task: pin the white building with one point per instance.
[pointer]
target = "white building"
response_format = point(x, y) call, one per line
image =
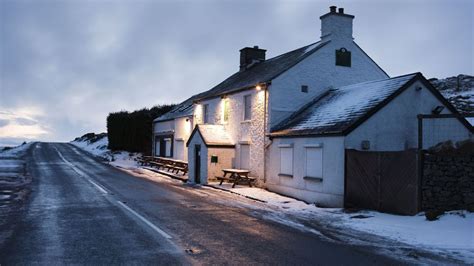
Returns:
point(307, 155)
point(245, 121)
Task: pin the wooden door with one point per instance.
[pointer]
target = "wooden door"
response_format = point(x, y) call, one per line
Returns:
point(197, 164)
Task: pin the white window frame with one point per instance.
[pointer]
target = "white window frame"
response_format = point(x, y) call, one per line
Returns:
point(248, 116)
point(288, 150)
point(168, 149)
point(226, 111)
point(205, 113)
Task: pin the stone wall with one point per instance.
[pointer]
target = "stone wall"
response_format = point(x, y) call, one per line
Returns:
point(448, 182)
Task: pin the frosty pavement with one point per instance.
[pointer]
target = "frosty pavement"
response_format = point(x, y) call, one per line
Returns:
point(83, 211)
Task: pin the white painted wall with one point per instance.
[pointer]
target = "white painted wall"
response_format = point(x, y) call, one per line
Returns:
point(163, 126)
point(182, 130)
point(208, 170)
point(197, 139)
point(241, 132)
point(395, 127)
point(319, 72)
point(329, 192)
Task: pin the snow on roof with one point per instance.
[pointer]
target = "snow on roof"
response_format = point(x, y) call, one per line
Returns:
point(214, 135)
point(470, 120)
point(262, 72)
point(181, 110)
point(337, 109)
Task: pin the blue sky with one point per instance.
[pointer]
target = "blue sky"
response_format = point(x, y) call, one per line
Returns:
point(64, 65)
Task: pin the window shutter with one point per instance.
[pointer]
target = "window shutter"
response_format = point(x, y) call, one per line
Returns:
point(286, 161)
point(314, 162)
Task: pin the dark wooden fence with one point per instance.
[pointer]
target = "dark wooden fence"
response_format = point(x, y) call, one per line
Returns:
point(382, 181)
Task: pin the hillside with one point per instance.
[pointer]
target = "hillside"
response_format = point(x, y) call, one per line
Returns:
point(459, 90)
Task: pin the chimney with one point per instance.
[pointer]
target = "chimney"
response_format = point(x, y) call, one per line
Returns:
point(250, 56)
point(336, 26)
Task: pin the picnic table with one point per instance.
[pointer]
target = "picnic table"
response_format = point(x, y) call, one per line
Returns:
point(170, 164)
point(235, 176)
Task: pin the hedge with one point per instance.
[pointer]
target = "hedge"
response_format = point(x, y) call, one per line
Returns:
point(133, 131)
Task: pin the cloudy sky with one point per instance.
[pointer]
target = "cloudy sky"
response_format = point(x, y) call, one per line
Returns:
point(64, 65)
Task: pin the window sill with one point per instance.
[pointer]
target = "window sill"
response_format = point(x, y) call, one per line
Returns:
point(315, 179)
point(246, 122)
point(286, 175)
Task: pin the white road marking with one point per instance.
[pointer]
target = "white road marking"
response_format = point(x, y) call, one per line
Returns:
point(80, 173)
point(99, 187)
point(143, 219)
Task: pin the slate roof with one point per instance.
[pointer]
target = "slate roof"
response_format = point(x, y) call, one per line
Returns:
point(338, 109)
point(262, 72)
point(259, 73)
point(181, 110)
point(213, 135)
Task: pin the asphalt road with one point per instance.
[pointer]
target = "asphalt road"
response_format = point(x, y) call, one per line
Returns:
point(83, 211)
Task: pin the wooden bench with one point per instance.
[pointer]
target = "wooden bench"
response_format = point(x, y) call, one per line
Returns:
point(183, 167)
point(158, 165)
point(145, 160)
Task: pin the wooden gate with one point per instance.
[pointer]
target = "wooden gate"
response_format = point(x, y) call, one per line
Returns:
point(383, 181)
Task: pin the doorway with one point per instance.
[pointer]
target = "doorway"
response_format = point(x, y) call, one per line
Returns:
point(197, 163)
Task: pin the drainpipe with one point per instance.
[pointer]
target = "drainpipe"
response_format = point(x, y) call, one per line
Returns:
point(264, 133)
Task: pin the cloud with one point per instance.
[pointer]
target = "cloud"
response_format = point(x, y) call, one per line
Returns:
point(4, 122)
point(21, 124)
point(72, 62)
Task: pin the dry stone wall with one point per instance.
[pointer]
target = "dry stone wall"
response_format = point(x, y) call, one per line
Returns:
point(448, 182)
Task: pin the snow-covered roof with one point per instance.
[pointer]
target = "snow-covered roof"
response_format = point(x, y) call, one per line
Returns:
point(262, 72)
point(213, 135)
point(338, 109)
point(181, 110)
point(259, 73)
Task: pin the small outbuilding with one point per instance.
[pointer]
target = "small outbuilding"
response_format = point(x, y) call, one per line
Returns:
point(210, 150)
point(306, 159)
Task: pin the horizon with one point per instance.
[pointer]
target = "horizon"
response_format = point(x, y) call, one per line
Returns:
point(65, 65)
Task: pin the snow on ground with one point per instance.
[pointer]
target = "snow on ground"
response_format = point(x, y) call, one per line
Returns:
point(452, 233)
point(16, 152)
point(98, 147)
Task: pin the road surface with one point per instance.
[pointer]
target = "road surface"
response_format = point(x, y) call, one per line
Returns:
point(83, 211)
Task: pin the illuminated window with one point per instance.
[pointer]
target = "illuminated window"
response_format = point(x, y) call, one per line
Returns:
point(226, 110)
point(247, 107)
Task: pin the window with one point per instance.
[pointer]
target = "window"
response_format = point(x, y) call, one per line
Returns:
point(247, 107)
point(286, 160)
point(226, 110)
point(314, 162)
point(168, 147)
point(205, 114)
point(157, 146)
point(304, 88)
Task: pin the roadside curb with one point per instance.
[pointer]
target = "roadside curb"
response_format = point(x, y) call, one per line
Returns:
point(184, 180)
point(233, 192)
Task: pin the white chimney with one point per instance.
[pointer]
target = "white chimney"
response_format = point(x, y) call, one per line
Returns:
point(336, 25)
